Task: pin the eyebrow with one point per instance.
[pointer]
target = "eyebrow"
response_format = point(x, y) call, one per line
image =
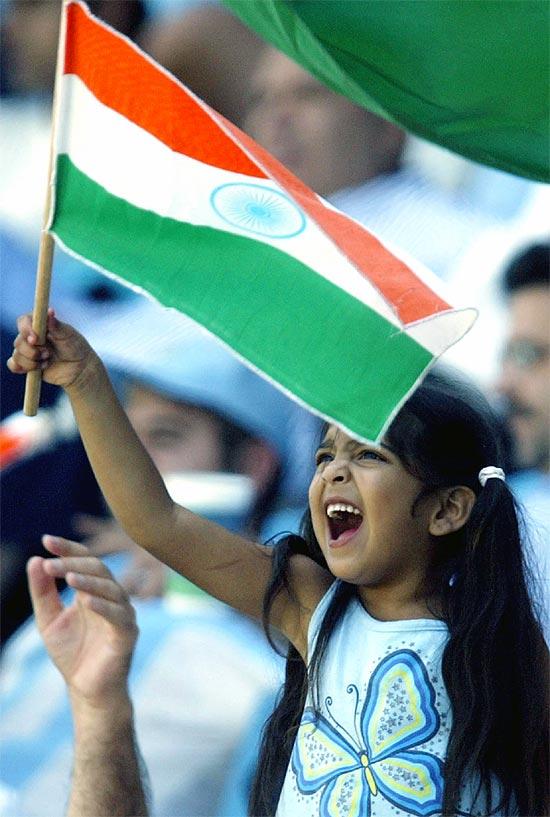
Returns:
point(328, 442)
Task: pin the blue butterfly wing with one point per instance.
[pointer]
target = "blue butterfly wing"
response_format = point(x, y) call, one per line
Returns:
point(399, 711)
point(412, 781)
point(320, 753)
point(346, 794)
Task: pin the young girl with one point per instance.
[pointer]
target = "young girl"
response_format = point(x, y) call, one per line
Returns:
point(417, 672)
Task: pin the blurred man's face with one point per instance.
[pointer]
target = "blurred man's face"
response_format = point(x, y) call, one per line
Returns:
point(325, 139)
point(525, 375)
point(31, 35)
point(177, 436)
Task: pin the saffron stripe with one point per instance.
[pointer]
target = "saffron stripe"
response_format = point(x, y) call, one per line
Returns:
point(125, 79)
point(332, 352)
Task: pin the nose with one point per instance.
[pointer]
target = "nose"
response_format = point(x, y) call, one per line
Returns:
point(336, 471)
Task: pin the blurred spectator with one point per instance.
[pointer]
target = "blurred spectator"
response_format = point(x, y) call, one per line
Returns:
point(30, 36)
point(524, 383)
point(198, 411)
point(356, 159)
point(476, 281)
point(525, 374)
point(208, 49)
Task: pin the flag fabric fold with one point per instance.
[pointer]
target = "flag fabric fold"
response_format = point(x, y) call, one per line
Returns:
point(158, 190)
point(469, 76)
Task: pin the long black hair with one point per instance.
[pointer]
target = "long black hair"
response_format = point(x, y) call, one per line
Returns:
point(495, 662)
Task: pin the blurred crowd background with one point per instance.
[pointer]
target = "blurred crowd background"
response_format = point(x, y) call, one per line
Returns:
point(229, 445)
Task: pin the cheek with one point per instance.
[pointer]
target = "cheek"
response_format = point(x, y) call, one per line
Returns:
point(317, 514)
point(541, 390)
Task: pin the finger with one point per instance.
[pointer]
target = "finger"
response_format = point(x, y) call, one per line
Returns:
point(121, 616)
point(18, 368)
point(97, 586)
point(30, 351)
point(44, 596)
point(87, 565)
point(64, 547)
point(18, 364)
point(24, 325)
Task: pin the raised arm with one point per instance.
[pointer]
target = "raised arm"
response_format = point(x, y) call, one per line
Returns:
point(91, 642)
point(228, 566)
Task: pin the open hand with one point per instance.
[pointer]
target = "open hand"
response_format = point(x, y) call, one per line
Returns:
point(92, 640)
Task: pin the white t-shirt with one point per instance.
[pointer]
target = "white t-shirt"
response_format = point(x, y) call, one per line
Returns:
point(379, 743)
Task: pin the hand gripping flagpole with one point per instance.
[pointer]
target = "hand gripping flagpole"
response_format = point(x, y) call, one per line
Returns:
point(45, 253)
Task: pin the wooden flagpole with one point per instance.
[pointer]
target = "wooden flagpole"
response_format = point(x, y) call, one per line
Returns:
point(45, 254)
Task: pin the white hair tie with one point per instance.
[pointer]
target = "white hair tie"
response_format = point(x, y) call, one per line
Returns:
point(490, 472)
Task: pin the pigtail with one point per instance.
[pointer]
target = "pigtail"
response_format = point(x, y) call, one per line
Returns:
point(280, 730)
point(495, 666)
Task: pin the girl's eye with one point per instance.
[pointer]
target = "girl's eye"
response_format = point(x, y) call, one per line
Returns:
point(370, 454)
point(322, 457)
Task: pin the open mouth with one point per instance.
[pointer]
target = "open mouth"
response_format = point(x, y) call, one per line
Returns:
point(343, 520)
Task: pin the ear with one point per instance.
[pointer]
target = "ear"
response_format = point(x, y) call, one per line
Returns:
point(452, 510)
point(257, 460)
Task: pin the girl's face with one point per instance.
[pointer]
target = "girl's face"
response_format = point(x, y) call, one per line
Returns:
point(361, 501)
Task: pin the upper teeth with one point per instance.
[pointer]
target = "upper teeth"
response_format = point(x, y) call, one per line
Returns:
point(337, 507)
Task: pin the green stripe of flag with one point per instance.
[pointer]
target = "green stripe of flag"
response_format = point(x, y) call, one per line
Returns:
point(327, 348)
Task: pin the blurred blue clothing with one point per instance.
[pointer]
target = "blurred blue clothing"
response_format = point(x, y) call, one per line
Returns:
point(79, 293)
point(241, 771)
point(188, 725)
point(532, 488)
point(501, 194)
point(415, 217)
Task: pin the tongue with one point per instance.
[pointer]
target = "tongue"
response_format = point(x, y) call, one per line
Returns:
point(344, 523)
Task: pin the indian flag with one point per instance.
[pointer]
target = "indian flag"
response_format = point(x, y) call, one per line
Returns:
point(157, 189)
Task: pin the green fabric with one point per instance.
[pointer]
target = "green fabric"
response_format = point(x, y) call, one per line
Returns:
point(469, 75)
point(330, 350)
